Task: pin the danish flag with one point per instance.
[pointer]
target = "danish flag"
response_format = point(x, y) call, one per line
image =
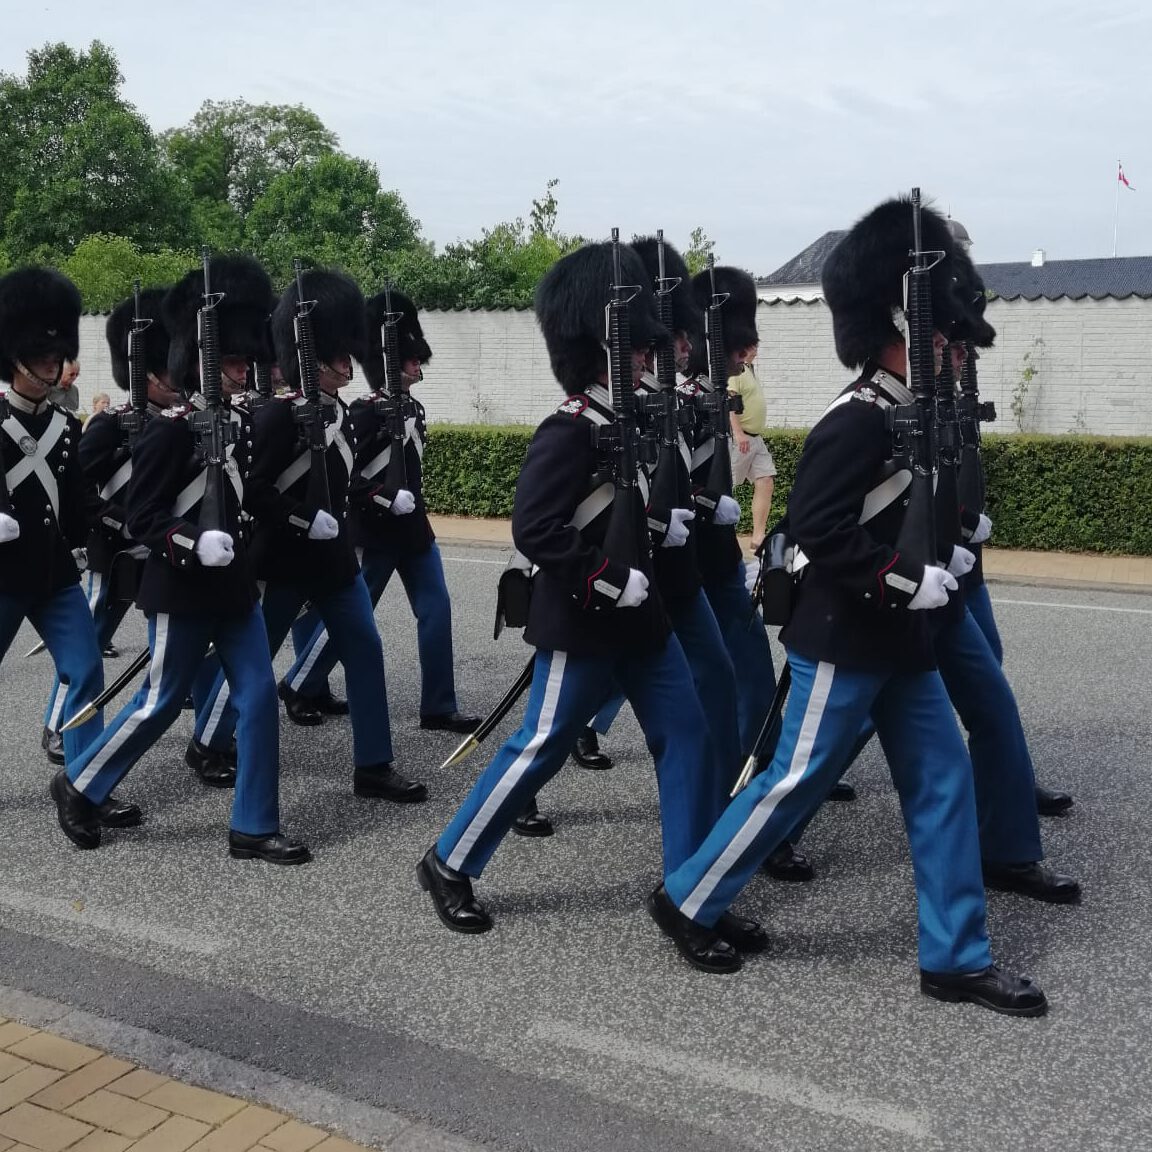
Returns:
point(1121, 177)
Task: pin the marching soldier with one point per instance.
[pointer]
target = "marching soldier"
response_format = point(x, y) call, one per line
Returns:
point(391, 530)
point(859, 645)
point(197, 589)
point(303, 552)
point(115, 564)
point(593, 617)
point(44, 500)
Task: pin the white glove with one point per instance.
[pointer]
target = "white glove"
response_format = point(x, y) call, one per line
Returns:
point(325, 526)
point(751, 574)
point(983, 530)
point(9, 528)
point(962, 561)
point(403, 503)
point(214, 549)
point(727, 512)
point(635, 591)
point(934, 588)
point(80, 555)
point(677, 535)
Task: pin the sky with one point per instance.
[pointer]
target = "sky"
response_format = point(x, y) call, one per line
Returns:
point(765, 123)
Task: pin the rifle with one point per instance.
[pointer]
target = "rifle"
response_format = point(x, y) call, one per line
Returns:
point(389, 402)
point(212, 426)
point(916, 422)
point(972, 412)
point(948, 529)
point(626, 540)
point(310, 415)
point(5, 496)
point(718, 404)
point(668, 480)
point(132, 422)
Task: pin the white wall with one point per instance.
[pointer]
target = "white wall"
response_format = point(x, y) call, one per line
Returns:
point(1093, 362)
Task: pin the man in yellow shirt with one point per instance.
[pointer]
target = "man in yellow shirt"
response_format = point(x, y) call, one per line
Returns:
point(751, 459)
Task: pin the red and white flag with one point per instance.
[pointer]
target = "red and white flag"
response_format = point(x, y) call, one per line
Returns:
point(1121, 177)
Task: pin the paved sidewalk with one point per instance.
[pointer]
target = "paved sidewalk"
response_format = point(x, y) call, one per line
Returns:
point(57, 1095)
point(1071, 569)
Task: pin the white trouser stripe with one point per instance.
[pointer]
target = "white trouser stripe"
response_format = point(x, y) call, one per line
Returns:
point(759, 816)
point(217, 713)
point(95, 583)
point(518, 766)
point(155, 678)
point(56, 714)
point(314, 654)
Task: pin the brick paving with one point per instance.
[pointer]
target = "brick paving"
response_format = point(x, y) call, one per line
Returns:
point(60, 1096)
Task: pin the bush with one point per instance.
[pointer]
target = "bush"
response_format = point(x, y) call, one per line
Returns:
point(1065, 493)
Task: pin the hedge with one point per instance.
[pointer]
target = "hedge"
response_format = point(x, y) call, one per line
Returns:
point(1065, 493)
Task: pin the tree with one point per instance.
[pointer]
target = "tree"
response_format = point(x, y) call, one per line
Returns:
point(103, 268)
point(699, 249)
point(232, 151)
point(79, 159)
point(330, 212)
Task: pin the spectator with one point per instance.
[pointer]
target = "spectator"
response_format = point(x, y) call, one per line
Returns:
point(751, 459)
point(65, 393)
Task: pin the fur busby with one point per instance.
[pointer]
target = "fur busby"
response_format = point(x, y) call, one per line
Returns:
point(863, 278)
point(39, 316)
point(339, 324)
point(243, 312)
point(155, 335)
point(409, 335)
point(738, 312)
point(570, 303)
point(687, 315)
point(971, 326)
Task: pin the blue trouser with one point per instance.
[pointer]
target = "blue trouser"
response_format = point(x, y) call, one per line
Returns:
point(715, 681)
point(827, 707)
point(347, 614)
point(178, 644)
point(1001, 764)
point(423, 578)
point(980, 605)
point(747, 644)
point(106, 615)
point(564, 691)
point(65, 625)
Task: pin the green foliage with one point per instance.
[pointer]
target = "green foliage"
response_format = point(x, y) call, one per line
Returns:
point(103, 268)
point(1066, 493)
point(1028, 370)
point(233, 151)
point(698, 250)
point(78, 159)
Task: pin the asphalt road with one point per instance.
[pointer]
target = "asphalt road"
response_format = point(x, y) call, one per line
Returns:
point(573, 1025)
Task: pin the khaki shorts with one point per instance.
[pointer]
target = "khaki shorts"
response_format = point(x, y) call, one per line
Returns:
point(754, 464)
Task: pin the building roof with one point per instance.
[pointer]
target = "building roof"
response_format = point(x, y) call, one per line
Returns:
point(807, 266)
point(1117, 277)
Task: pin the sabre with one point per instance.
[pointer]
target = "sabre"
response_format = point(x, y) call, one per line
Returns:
point(775, 710)
point(488, 725)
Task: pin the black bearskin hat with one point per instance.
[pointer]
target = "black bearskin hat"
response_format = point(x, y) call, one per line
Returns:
point(686, 313)
point(409, 335)
point(155, 335)
point(339, 325)
point(971, 326)
point(243, 313)
point(570, 303)
point(39, 316)
point(863, 278)
point(738, 312)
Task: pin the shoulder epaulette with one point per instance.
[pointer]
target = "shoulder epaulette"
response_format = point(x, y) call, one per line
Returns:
point(574, 406)
point(176, 411)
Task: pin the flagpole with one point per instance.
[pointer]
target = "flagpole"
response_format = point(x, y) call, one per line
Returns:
point(1116, 213)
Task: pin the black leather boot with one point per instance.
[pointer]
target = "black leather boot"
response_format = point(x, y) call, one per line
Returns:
point(53, 745)
point(702, 947)
point(452, 895)
point(587, 752)
point(990, 988)
point(79, 818)
point(383, 782)
point(215, 769)
point(530, 822)
point(275, 848)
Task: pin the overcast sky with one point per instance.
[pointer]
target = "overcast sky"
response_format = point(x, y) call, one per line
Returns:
point(765, 123)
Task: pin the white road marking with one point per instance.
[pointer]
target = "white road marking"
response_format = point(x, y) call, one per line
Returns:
point(769, 1085)
point(473, 560)
point(81, 914)
point(1084, 607)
